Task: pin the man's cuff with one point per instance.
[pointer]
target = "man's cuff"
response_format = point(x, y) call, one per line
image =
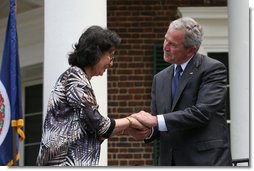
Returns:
point(161, 123)
point(152, 130)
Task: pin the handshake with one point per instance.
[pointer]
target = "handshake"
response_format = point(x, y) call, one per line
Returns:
point(140, 125)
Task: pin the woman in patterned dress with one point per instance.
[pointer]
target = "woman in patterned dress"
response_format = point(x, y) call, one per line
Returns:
point(73, 128)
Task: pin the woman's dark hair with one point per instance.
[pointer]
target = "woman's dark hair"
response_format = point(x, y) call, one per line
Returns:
point(91, 45)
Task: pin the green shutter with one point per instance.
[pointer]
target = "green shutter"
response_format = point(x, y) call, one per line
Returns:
point(158, 61)
point(158, 65)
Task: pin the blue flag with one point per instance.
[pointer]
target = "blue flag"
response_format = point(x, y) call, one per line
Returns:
point(11, 117)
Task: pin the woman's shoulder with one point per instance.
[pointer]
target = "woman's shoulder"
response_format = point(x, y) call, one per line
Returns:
point(76, 74)
point(75, 71)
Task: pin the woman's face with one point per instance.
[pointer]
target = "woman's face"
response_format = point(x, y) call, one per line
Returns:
point(105, 62)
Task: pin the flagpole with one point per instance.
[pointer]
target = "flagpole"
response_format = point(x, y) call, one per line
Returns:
point(14, 138)
point(14, 131)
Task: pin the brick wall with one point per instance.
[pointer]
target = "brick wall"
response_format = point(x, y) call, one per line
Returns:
point(141, 24)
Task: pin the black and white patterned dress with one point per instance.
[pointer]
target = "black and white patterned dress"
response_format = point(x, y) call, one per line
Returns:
point(73, 128)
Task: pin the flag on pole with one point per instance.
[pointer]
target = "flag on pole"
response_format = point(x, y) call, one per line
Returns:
point(11, 116)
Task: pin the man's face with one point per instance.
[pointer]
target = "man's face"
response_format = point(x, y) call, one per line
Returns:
point(174, 50)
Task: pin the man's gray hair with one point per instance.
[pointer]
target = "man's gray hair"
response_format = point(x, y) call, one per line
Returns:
point(193, 31)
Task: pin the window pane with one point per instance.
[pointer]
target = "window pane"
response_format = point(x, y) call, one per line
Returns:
point(223, 57)
point(33, 128)
point(33, 98)
point(31, 153)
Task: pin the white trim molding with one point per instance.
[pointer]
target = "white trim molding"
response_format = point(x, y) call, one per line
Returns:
point(214, 21)
point(30, 28)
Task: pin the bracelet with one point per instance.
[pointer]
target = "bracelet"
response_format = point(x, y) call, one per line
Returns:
point(130, 123)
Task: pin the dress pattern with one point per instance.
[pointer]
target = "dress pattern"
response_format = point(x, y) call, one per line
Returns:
point(73, 128)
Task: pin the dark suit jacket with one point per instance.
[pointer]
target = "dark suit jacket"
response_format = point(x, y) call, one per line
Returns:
point(197, 130)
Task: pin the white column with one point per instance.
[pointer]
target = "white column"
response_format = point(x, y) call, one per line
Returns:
point(251, 4)
point(239, 77)
point(65, 20)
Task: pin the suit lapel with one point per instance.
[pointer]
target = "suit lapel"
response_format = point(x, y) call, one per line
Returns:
point(190, 71)
point(167, 88)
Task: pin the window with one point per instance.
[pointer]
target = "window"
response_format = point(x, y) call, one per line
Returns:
point(33, 123)
point(223, 58)
point(32, 93)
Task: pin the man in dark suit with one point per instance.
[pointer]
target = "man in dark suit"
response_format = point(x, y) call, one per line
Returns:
point(189, 120)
